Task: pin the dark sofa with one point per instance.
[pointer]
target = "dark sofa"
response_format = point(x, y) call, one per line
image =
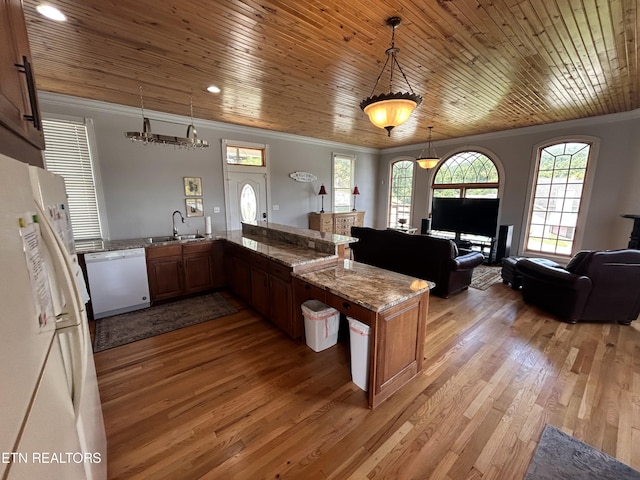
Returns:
point(595, 286)
point(420, 256)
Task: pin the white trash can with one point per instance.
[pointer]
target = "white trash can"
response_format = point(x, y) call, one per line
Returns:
point(359, 341)
point(321, 324)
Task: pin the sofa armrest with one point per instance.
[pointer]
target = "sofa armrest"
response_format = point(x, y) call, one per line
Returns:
point(553, 276)
point(467, 262)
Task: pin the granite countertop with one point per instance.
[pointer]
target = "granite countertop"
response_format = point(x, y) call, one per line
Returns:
point(371, 287)
point(285, 253)
point(96, 246)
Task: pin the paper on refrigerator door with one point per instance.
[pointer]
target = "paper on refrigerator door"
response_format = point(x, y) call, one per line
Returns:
point(32, 245)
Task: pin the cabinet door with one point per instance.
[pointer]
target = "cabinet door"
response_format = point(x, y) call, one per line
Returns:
point(197, 272)
point(400, 346)
point(239, 275)
point(165, 277)
point(218, 277)
point(260, 291)
point(17, 97)
point(280, 309)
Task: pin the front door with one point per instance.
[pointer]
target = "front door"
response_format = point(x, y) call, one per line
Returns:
point(247, 198)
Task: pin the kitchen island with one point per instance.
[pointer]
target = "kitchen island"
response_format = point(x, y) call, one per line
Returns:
point(393, 305)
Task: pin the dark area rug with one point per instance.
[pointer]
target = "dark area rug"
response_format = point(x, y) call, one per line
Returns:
point(484, 276)
point(562, 457)
point(130, 327)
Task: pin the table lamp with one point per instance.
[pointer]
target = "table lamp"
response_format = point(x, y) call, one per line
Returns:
point(355, 192)
point(322, 193)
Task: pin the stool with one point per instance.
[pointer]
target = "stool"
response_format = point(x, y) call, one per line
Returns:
point(510, 273)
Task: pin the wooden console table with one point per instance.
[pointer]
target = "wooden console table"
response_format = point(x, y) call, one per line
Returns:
point(339, 223)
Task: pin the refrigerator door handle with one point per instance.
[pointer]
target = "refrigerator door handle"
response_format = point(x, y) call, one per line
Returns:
point(76, 321)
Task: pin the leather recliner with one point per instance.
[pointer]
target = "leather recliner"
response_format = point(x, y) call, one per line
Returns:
point(595, 286)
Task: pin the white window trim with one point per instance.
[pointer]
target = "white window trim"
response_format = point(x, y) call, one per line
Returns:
point(227, 168)
point(413, 188)
point(584, 200)
point(95, 164)
point(353, 175)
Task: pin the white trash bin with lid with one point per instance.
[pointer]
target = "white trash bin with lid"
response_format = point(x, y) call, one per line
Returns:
point(359, 341)
point(321, 324)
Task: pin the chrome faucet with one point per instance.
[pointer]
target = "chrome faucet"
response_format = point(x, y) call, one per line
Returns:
point(173, 221)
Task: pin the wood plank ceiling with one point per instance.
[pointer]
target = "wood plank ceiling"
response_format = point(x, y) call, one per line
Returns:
point(303, 67)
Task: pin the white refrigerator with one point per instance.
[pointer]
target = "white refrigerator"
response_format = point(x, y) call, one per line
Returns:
point(51, 423)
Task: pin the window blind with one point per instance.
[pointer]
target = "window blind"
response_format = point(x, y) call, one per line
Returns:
point(67, 154)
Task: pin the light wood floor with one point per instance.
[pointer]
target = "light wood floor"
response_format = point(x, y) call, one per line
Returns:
point(233, 398)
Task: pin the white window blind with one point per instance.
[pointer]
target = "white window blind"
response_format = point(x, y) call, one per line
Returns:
point(68, 154)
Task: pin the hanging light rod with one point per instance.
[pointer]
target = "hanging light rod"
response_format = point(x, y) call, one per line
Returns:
point(146, 136)
point(388, 110)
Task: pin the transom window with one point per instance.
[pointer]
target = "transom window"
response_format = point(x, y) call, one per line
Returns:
point(401, 192)
point(557, 194)
point(468, 174)
point(237, 155)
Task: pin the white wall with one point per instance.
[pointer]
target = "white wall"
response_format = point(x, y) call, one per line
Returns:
point(615, 190)
point(143, 184)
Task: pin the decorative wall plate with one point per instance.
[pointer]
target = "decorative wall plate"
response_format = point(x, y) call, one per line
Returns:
point(305, 177)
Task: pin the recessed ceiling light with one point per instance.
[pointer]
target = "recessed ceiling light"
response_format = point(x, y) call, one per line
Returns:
point(213, 89)
point(51, 12)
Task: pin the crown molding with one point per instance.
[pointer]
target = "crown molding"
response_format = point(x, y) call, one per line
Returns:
point(547, 127)
point(56, 99)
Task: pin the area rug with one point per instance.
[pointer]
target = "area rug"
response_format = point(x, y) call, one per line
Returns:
point(484, 276)
point(130, 327)
point(562, 457)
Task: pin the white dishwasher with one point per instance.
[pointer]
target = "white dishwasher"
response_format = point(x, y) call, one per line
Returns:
point(117, 281)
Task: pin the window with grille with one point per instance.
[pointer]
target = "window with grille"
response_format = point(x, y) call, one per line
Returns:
point(400, 193)
point(557, 197)
point(343, 182)
point(68, 154)
point(467, 174)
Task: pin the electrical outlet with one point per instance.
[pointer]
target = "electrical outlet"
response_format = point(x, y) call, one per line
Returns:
point(312, 244)
point(216, 209)
point(276, 207)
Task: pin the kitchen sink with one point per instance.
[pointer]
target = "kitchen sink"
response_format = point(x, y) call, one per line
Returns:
point(191, 236)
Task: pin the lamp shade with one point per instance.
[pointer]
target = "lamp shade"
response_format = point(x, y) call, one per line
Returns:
point(390, 113)
point(356, 191)
point(427, 162)
point(322, 191)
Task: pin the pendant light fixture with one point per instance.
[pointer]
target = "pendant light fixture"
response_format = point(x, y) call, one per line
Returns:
point(388, 110)
point(190, 141)
point(430, 159)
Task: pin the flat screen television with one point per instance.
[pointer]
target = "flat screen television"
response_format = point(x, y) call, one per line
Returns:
point(475, 216)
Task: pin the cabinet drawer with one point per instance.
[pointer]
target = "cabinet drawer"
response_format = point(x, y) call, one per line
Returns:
point(349, 308)
point(278, 270)
point(306, 291)
point(164, 251)
point(260, 262)
point(197, 247)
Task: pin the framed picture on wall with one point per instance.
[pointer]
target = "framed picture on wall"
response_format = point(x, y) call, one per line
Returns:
point(193, 186)
point(194, 207)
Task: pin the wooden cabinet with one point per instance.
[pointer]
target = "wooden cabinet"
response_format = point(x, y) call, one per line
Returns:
point(21, 134)
point(265, 285)
point(176, 270)
point(337, 223)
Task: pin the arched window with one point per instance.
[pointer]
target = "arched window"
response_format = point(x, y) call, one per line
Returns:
point(557, 196)
point(467, 174)
point(401, 192)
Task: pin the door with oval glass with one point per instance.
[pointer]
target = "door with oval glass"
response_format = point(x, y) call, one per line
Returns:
point(247, 199)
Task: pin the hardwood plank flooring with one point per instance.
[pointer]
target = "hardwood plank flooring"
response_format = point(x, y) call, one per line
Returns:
point(233, 398)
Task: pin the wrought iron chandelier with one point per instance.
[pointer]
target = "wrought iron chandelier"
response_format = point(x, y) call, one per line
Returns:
point(190, 141)
point(388, 110)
